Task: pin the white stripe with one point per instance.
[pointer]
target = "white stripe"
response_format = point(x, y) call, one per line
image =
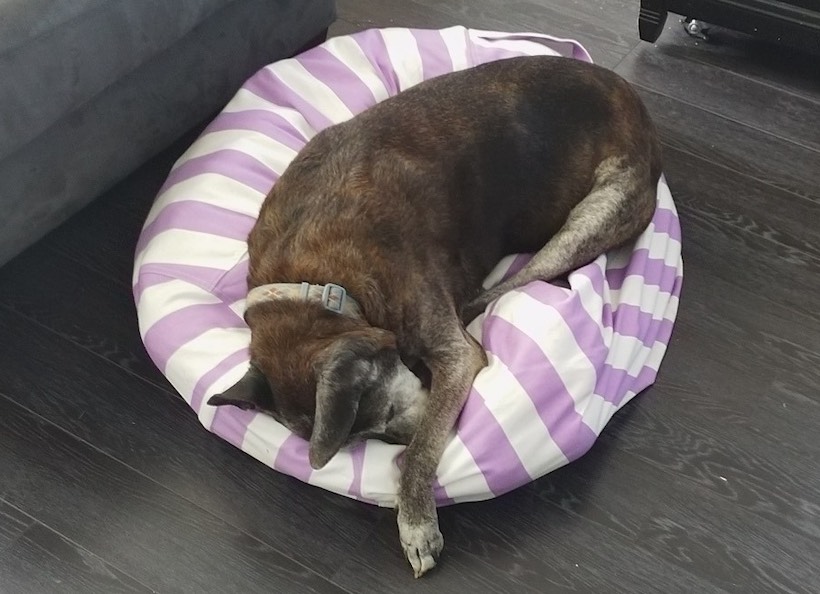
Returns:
point(557, 342)
point(185, 366)
point(665, 196)
point(214, 189)
point(591, 301)
point(461, 475)
point(516, 414)
point(380, 473)
point(263, 437)
point(455, 38)
point(554, 45)
point(518, 46)
point(648, 298)
point(181, 246)
point(663, 307)
point(315, 92)
point(336, 476)
point(628, 353)
point(660, 246)
point(553, 336)
point(163, 299)
point(226, 380)
point(349, 53)
point(652, 360)
point(403, 52)
point(260, 147)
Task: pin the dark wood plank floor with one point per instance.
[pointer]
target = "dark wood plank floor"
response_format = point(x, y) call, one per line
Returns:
point(708, 482)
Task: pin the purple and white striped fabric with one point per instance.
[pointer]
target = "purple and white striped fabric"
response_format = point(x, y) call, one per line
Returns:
point(562, 361)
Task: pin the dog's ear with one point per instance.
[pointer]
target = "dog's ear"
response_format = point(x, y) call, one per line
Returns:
point(348, 372)
point(252, 392)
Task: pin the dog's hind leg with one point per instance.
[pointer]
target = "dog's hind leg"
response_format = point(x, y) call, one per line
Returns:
point(454, 359)
point(617, 209)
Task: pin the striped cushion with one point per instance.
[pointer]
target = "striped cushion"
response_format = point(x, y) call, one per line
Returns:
point(562, 361)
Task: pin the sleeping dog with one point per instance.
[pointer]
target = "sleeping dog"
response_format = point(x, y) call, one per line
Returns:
point(369, 252)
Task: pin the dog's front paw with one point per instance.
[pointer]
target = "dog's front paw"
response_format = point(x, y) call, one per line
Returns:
point(422, 542)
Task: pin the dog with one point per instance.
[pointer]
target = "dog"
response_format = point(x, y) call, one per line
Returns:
point(369, 252)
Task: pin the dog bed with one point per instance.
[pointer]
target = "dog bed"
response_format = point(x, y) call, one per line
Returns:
point(562, 360)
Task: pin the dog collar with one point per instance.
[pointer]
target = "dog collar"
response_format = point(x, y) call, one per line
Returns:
point(332, 297)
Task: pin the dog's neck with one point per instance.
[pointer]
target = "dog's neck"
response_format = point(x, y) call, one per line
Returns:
point(332, 297)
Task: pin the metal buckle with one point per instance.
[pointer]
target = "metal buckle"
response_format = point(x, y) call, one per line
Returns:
point(332, 291)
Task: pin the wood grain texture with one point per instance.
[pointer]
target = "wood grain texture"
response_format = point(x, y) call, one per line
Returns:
point(519, 543)
point(777, 66)
point(138, 525)
point(13, 523)
point(41, 562)
point(726, 93)
point(726, 143)
point(605, 28)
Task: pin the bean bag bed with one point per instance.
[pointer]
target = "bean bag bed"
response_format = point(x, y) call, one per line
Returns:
point(563, 359)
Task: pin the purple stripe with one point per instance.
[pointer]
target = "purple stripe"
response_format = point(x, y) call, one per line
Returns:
point(357, 457)
point(614, 384)
point(483, 54)
point(292, 458)
point(231, 424)
point(269, 123)
point(441, 496)
point(373, 47)
point(267, 85)
point(536, 374)
point(346, 84)
point(629, 320)
point(489, 446)
point(168, 334)
point(152, 274)
point(435, 58)
point(221, 368)
point(606, 315)
point(595, 275)
point(666, 221)
point(516, 265)
point(653, 271)
point(192, 215)
point(233, 285)
point(231, 163)
point(579, 52)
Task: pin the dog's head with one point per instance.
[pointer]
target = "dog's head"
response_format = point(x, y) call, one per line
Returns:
point(330, 378)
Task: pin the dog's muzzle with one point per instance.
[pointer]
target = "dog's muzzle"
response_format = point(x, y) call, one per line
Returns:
point(332, 297)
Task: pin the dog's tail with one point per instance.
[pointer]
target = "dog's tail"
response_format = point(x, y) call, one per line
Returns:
point(617, 209)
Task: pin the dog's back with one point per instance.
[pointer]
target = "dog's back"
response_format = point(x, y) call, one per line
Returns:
point(452, 174)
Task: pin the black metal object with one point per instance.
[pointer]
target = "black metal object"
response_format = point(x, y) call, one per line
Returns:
point(793, 22)
point(651, 19)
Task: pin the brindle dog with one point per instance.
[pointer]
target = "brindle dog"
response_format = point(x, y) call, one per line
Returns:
point(408, 206)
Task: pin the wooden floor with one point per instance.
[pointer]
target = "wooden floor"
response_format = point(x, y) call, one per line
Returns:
point(708, 482)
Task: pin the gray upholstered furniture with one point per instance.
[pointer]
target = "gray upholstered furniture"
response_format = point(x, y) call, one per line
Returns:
point(90, 89)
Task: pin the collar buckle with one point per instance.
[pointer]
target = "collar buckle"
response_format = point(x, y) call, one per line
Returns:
point(334, 298)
